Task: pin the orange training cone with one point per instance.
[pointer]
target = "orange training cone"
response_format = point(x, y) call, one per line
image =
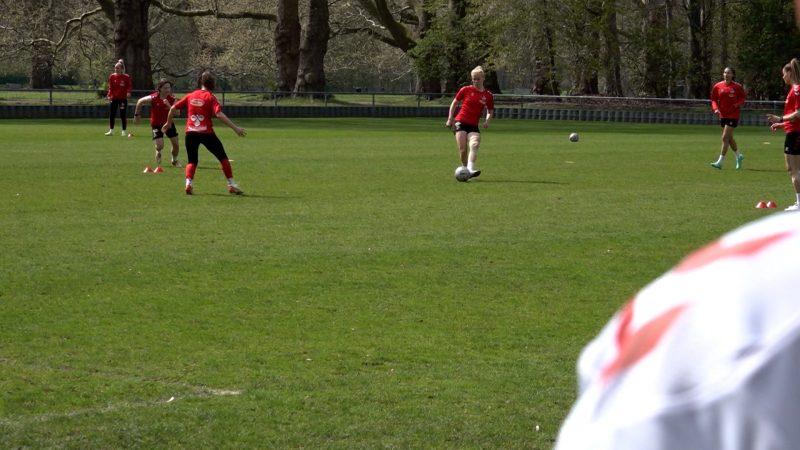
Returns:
point(771, 204)
point(147, 170)
point(761, 205)
point(158, 170)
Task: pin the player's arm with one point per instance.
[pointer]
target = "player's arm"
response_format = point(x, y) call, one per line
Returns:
point(238, 130)
point(489, 115)
point(714, 104)
point(452, 112)
point(170, 117)
point(137, 112)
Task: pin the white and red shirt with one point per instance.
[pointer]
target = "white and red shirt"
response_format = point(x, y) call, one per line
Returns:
point(473, 102)
point(705, 357)
point(728, 98)
point(791, 105)
point(202, 105)
point(159, 108)
point(119, 86)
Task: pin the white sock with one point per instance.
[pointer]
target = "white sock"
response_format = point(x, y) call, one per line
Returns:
point(721, 157)
point(188, 181)
point(798, 198)
point(471, 166)
point(231, 182)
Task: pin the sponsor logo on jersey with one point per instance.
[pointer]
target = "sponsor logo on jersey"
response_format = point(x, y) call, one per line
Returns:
point(197, 102)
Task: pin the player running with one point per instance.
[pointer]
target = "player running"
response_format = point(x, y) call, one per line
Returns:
point(474, 99)
point(727, 98)
point(160, 102)
point(202, 105)
point(119, 90)
point(791, 126)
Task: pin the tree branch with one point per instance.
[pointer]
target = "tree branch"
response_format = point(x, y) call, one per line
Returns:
point(69, 27)
point(215, 12)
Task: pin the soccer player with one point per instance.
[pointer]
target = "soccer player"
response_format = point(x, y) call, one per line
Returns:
point(160, 102)
point(119, 90)
point(727, 98)
point(791, 126)
point(689, 364)
point(474, 99)
point(202, 105)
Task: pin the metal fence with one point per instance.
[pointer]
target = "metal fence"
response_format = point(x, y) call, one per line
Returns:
point(91, 103)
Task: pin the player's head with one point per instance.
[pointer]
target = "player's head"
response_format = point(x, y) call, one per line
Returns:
point(207, 81)
point(164, 87)
point(791, 72)
point(119, 67)
point(729, 74)
point(478, 76)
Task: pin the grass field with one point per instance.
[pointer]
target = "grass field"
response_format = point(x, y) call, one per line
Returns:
point(356, 297)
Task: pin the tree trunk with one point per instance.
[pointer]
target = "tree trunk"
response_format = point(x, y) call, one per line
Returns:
point(699, 75)
point(311, 70)
point(42, 66)
point(41, 14)
point(457, 66)
point(587, 80)
point(613, 58)
point(132, 41)
point(723, 30)
point(546, 81)
point(287, 44)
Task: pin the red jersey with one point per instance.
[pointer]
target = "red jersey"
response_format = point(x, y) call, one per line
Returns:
point(791, 105)
point(473, 103)
point(201, 105)
point(119, 86)
point(159, 108)
point(728, 98)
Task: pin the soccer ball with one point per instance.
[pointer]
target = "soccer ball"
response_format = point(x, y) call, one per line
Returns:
point(462, 173)
point(573, 137)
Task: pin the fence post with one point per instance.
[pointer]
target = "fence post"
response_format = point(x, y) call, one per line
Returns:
point(223, 99)
point(51, 96)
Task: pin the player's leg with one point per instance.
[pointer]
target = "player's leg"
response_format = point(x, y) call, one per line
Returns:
point(214, 145)
point(794, 171)
point(461, 142)
point(733, 145)
point(726, 141)
point(123, 116)
point(112, 116)
point(474, 140)
point(159, 145)
point(192, 144)
point(172, 134)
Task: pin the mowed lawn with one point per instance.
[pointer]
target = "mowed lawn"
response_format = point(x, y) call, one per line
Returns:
point(357, 296)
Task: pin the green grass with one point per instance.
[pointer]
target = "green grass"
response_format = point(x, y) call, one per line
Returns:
point(356, 297)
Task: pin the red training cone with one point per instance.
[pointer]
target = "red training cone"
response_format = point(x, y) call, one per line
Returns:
point(761, 205)
point(771, 204)
point(147, 170)
point(158, 170)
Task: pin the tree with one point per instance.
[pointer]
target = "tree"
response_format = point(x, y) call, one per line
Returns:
point(311, 68)
point(287, 44)
point(612, 57)
point(132, 40)
point(700, 16)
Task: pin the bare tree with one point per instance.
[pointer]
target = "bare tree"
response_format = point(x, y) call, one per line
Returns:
point(311, 68)
point(287, 44)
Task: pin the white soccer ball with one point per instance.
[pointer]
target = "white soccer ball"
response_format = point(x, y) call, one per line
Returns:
point(573, 137)
point(462, 173)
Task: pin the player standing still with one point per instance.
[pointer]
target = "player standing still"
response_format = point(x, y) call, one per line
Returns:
point(791, 126)
point(727, 98)
point(119, 90)
point(160, 102)
point(202, 105)
point(474, 99)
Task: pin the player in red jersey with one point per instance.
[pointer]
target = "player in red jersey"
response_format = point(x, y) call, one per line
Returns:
point(791, 126)
point(727, 98)
point(202, 105)
point(474, 99)
point(160, 102)
point(119, 90)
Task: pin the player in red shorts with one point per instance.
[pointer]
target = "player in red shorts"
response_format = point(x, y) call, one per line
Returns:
point(727, 98)
point(474, 99)
point(791, 126)
point(119, 90)
point(202, 105)
point(160, 102)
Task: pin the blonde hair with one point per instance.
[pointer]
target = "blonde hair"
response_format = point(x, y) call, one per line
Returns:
point(793, 67)
point(120, 63)
point(477, 70)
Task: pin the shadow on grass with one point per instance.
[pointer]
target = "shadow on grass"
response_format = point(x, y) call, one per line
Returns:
point(249, 195)
point(519, 181)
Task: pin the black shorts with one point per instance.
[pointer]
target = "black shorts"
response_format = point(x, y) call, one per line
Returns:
point(460, 126)
point(158, 134)
point(791, 146)
point(733, 123)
